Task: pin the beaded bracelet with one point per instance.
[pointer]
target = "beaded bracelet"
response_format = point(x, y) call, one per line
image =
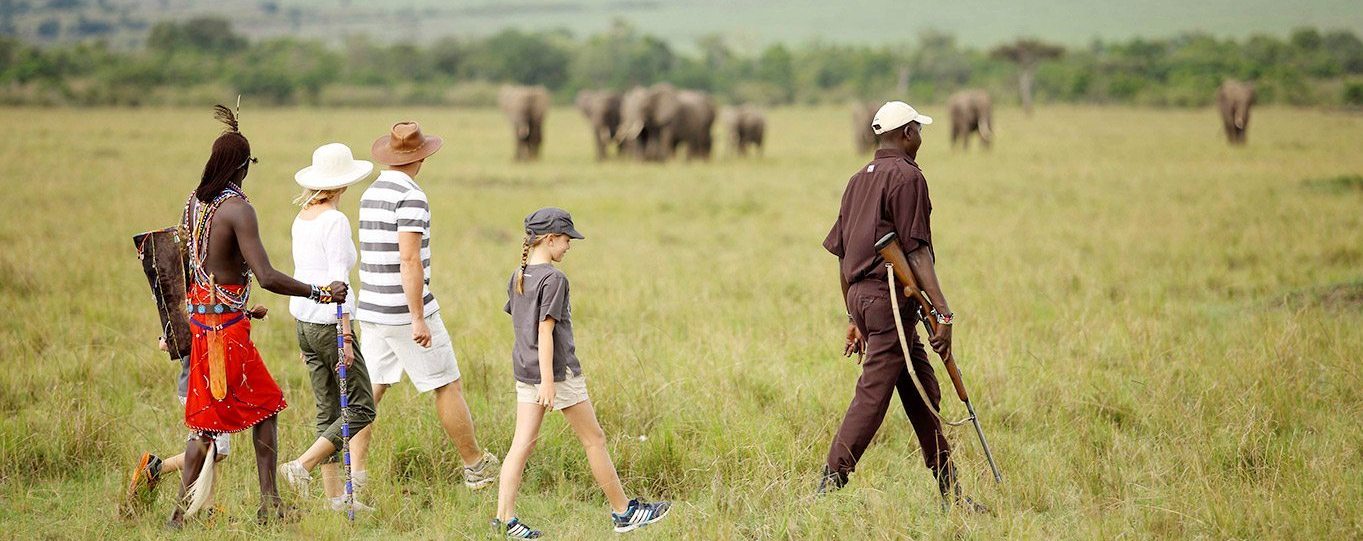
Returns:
point(321, 294)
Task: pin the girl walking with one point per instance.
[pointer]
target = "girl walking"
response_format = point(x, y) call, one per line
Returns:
point(322, 249)
point(549, 377)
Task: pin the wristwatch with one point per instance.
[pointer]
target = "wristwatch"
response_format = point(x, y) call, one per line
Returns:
point(945, 319)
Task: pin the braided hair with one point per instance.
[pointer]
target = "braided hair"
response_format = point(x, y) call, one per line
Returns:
point(227, 164)
point(531, 240)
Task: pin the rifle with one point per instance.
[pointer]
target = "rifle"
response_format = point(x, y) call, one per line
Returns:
point(890, 250)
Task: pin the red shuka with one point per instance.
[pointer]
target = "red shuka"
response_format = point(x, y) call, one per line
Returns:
point(252, 394)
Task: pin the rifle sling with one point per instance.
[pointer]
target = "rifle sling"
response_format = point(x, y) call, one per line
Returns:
point(908, 360)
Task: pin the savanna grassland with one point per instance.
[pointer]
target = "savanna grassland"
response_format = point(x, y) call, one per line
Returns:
point(1161, 333)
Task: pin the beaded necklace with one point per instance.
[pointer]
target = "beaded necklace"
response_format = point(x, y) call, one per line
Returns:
point(198, 224)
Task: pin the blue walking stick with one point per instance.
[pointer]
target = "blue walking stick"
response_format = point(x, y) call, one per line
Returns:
point(345, 414)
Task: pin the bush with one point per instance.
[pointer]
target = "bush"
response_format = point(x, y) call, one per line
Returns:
point(1353, 94)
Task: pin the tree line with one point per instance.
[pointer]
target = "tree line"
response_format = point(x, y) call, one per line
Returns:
point(200, 60)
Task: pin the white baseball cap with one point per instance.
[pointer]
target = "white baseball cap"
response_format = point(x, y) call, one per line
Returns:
point(896, 114)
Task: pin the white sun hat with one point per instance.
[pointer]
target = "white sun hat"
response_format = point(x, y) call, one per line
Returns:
point(333, 166)
point(896, 114)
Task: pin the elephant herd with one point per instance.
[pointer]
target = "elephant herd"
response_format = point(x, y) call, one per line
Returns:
point(655, 123)
point(652, 123)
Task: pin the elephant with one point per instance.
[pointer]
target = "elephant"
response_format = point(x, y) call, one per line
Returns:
point(655, 120)
point(971, 112)
point(648, 121)
point(602, 109)
point(746, 125)
point(525, 107)
point(695, 124)
point(1234, 99)
point(862, 137)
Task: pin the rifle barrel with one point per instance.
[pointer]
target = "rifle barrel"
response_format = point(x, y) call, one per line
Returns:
point(988, 455)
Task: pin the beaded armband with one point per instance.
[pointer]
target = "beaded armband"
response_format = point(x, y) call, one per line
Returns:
point(321, 294)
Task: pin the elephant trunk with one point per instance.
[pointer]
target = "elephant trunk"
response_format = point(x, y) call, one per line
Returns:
point(986, 132)
point(1241, 117)
point(627, 133)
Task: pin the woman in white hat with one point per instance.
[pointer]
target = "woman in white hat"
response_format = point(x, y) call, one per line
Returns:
point(322, 248)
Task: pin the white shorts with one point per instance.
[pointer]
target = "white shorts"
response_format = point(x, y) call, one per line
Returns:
point(389, 351)
point(569, 392)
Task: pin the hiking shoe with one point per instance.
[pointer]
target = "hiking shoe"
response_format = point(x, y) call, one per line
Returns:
point(143, 483)
point(358, 480)
point(830, 481)
point(338, 504)
point(639, 514)
point(482, 473)
point(514, 529)
point(296, 475)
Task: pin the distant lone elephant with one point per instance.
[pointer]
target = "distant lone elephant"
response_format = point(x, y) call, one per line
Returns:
point(1234, 99)
point(695, 124)
point(971, 112)
point(747, 125)
point(525, 107)
point(648, 121)
point(862, 137)
point(602, 109)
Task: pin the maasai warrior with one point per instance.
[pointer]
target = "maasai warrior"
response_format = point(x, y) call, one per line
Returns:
point(230, 389)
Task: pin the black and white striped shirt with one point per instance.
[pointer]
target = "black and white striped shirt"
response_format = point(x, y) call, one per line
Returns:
point(392, 204)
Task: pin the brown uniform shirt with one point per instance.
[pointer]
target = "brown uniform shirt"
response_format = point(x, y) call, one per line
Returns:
point(888, 194)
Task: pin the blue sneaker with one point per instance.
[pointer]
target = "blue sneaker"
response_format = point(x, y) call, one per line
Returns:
point(515, 529)
point(639, 514)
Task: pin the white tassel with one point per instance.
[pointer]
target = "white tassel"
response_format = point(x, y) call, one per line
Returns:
point(202, 490)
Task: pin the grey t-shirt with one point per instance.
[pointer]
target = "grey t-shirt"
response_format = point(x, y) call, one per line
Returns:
point(546, 295)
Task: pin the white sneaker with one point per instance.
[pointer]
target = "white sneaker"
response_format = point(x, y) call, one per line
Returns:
point(338, 504)
point(295, 475)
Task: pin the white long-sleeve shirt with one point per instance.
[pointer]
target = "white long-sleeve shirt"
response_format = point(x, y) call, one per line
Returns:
point(322, 253)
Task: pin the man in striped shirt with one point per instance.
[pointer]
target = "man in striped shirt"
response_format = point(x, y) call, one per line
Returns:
point(399, 317)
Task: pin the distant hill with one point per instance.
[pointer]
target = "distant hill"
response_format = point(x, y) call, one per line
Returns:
point(744, 24)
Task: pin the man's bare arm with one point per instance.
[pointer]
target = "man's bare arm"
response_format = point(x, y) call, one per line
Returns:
point(920, 260)
point(412, 274)
point(924, 270)
point(855, 342)
point(242, 218)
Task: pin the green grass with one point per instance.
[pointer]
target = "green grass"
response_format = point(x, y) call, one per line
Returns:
point(1160, 332)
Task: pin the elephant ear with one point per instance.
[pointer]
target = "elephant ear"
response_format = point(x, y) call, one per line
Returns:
point(665, 105)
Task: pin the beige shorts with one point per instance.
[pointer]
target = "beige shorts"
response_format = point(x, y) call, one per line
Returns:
point(390, 352)
point(569, 392)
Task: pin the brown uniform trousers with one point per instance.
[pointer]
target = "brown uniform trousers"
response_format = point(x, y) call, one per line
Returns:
point(883, 371)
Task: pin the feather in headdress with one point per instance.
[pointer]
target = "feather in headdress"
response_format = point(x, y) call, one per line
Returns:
point(226, 116)
point(202, 489)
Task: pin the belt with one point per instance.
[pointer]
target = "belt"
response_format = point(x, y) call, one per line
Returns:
point(220, 326)
point(210, 308)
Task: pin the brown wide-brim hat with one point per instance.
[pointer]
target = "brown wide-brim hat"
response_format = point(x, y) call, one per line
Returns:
point(405, 144)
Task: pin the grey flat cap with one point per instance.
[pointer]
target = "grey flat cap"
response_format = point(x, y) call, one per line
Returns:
point(551, 220)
